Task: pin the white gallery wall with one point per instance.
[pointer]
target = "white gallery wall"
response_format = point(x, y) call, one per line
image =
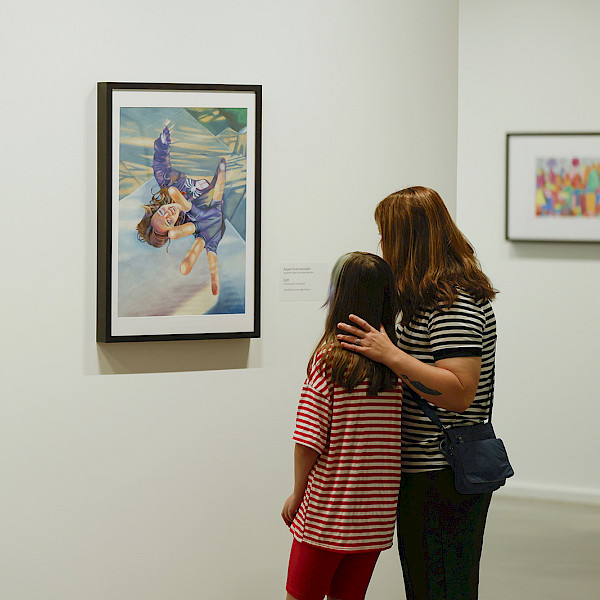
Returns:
point(531, 67)
point(157, 471)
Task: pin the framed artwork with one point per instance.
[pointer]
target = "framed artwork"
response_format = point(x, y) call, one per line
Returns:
point(553, 187)
point(178, 211)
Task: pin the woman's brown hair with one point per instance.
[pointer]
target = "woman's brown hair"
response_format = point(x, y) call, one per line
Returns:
point(429, 256)
point(361, 284)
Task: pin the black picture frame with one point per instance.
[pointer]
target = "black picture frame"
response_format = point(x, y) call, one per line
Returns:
point(553, 187)
point(213, 140)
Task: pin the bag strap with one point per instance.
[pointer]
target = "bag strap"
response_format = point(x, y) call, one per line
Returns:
point(431, 413)
point(491, 394)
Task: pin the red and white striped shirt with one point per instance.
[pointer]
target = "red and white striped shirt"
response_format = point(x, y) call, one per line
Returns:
point(350, 501)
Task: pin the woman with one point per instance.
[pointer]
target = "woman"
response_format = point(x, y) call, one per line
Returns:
point(445, 353)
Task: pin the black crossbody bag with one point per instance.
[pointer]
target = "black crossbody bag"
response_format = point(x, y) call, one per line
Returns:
point(477, 457)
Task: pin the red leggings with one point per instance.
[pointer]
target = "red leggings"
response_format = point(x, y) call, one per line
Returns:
point(314, 572)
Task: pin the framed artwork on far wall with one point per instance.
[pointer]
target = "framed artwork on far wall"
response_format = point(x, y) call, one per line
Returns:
point(553, 187)
point(178, 211)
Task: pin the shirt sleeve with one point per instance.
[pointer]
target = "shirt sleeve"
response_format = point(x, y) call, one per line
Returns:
point(458, 330)
point(314, 413)
point(164, 173)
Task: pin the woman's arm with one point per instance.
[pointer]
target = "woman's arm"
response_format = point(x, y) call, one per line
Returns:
point(451, 383)
point(304, 460)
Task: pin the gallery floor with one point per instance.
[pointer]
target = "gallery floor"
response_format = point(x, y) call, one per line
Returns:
point(538, 550)
point(541, 549)
point(533, 550)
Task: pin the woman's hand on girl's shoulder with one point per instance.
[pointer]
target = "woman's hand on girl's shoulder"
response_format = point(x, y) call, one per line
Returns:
point(366, 340)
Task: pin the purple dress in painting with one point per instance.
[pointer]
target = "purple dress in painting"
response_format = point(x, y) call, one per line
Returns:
point(206, 213)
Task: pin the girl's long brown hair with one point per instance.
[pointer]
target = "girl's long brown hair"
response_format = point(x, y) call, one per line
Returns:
point(429, 256)
point(361, 284)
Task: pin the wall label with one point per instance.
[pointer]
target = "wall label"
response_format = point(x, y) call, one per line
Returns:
point(303, 281)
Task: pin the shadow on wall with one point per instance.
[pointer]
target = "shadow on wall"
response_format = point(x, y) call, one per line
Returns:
point(565, 251)
point(169, 357)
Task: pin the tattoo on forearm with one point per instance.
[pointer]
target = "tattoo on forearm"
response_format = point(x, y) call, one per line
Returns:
point(420, 387)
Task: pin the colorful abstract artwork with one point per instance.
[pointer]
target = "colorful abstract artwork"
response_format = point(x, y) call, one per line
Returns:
point(567, 187)
point(178, 197)
point(553, 187)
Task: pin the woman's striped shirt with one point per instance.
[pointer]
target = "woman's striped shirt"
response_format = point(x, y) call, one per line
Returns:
point(467, 328)
point(350, 501)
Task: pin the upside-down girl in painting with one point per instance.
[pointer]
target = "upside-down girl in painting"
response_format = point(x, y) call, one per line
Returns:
point(184, 206)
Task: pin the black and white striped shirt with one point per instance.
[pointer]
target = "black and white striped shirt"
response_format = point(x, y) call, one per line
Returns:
point(467, 328)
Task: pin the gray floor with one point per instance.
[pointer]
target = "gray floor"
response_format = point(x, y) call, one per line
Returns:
point(541, 550)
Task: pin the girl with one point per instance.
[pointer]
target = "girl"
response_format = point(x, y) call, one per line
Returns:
point(446, 344)
point(184, 206)
point(347, 454)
